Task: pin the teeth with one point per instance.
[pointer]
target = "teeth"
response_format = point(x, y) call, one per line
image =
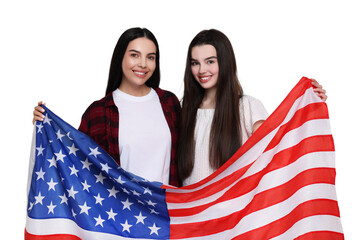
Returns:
point(141, 73)
point(205, 78)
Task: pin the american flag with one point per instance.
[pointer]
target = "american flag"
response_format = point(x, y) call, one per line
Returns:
point(279, 185)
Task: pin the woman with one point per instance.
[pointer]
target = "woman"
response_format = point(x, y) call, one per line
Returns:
point(217, 118)
point(136, 122)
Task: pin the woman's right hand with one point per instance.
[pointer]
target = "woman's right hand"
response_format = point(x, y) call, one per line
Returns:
point(38, 113)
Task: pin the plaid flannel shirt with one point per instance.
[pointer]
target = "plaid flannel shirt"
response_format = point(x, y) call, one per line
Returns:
point(101, 122)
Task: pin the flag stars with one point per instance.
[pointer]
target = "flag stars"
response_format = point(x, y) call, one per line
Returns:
point(52, 184)
point(94, 152)
point(126, 226)
point(99, 199)
point(84, 209)
point(60, 156)
point(85, 186)
point(111, 214)
point(150, 203)
point(64, 199)
point(154, 229)
point(40, 174)
point(39, 198)
point(86, 164)
point(147, 190)
point(113, 192)
point(40, 150)
point(73, 149)
point(127, 204)
point(59, 135)
point(40, 126)
point(140, 218)
point(52, 162)
point(99, 221)
point(51, 208)
point(72, 192)
point(105, 167)
point(73, 170)
point(47, 119)
point(119, 180)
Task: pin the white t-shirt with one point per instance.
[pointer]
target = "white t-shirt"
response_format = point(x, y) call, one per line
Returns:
point(144, 136)
point(251, 111)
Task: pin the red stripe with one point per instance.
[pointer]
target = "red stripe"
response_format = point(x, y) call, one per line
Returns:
point(321, 235)
point(281, 159)
point(29, 236)
point(309, 112)
point(260, 201)
point(306, 209)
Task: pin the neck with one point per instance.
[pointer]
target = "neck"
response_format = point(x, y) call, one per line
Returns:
point(137, 91)
point(209, 100)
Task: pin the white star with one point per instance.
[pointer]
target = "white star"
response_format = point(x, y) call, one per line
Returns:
point(135, 193)
point(150, 203)
point(147, 190)
point(68, 135)
point(153, 211)
point(127, 204)
point(154, 229)
point(126, 226)
point(30, 206)
point(72, 192)
point(51, 208)
point(119, 180)
point(134, 179)
point(73, 213)
point(105, 167)
point(112, 192)
point(125, 191)
point(64, 199)
point(74, 171)
point(40, 174)
point(84, 209)
point(111, 214)
point(94, 151)
point(99, 221)
point(140, 218)
point(52, 162)
point(39, 198)
point(86, 186)
point(52, 184)
point(100, 178)
point(99, 199)
point(59, 135)
point(86, 164)
point(60, 156)
point(40, 126)
point(47, 119)
point(40, 150)
point(73, 149)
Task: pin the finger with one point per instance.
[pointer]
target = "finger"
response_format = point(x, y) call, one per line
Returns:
point(322, 96)
point(39, 109)
point(320, 90)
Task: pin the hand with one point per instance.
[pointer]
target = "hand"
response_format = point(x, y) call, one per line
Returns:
point(318, 89)
point(38, 116)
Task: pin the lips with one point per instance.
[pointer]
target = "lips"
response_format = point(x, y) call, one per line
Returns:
point(140, 74)
point(204, 79)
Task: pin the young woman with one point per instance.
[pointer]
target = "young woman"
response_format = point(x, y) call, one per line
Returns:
point(136, 122)
point(217, 118)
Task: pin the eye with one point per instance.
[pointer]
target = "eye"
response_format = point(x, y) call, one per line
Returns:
point(152, 57)
point(194, 63)
point(135, 55)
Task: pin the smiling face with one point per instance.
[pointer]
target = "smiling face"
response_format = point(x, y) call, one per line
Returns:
point(204, 66)
point(138, 65)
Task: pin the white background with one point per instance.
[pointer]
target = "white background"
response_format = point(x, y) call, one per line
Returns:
point(60, 51)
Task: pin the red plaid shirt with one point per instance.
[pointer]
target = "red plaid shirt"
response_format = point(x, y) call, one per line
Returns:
point(101, 122)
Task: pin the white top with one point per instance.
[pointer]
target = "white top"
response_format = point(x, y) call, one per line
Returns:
point(251, 111)
point(144, 136)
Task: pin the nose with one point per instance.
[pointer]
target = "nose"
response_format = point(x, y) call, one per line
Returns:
point(142, 62)
point(202, 68)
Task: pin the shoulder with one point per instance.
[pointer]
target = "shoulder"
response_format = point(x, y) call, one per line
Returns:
point(100, 105)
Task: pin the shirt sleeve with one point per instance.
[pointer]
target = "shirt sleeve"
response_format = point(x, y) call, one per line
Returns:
point(251, 111)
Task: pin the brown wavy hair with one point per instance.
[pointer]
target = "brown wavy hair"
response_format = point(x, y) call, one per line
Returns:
point(225, 134)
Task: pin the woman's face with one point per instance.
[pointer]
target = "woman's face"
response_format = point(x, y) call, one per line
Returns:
point(139, 62)
point(204, 66)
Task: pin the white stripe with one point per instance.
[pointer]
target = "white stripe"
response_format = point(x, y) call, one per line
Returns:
point(310, 128)
point(66, 226)
point(275, 212)
point(253, 153)
point(312, 224)
point(269, 181)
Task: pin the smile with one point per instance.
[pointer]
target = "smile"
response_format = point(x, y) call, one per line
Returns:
point(140, 74)
point(204, 79)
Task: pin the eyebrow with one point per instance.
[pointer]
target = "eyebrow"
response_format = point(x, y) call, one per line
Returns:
point(192, 59)
point(133, 50)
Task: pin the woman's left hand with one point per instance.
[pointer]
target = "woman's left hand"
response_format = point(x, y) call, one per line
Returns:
point(318, 89)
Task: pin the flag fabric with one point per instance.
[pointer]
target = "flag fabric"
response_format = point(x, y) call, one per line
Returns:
point(279, 185)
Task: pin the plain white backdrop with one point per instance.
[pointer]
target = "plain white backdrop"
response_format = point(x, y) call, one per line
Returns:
point(60, 51)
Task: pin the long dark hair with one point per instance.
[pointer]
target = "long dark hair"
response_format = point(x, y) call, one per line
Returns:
point(225, 134)
point(116, 72)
